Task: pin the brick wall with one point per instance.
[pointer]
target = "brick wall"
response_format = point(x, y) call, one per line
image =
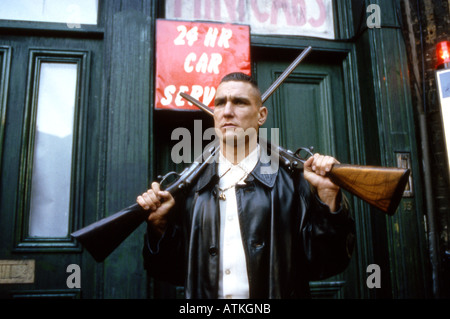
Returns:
point(431, 19)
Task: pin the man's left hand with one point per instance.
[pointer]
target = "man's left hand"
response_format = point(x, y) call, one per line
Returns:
point(315, 170)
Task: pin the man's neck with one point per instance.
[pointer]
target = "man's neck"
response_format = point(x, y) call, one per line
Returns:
point(236, 153)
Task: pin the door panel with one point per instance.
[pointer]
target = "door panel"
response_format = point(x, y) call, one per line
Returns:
point(310, 109)
point(34, 258)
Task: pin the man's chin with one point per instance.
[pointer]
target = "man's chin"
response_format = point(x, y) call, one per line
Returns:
point(236, 139)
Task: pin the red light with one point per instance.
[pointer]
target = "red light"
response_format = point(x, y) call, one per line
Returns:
point(443, 53)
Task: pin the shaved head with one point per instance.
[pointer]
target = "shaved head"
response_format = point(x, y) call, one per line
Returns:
point(242, 77)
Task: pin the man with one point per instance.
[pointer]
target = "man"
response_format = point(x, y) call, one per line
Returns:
point(242, 233)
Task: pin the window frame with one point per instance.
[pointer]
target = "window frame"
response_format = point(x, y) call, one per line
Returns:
point(5, 65)
point(16, 27)
point(24, 242)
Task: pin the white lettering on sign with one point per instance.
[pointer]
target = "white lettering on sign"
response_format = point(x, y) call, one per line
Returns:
point(204, 64)
point(195, 53)
point(197, 91)
point(186, 36)
point(289, 17)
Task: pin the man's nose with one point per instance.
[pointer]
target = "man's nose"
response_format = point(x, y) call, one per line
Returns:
point(228, 109)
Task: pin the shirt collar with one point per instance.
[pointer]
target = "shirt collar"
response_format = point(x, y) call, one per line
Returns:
point(261, 170)
point(247, 164)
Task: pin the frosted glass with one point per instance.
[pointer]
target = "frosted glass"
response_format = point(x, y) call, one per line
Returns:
point(52, 162)
point(72, 12)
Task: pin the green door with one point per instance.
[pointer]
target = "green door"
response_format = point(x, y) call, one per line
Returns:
point(50, 94)
point(313, 108)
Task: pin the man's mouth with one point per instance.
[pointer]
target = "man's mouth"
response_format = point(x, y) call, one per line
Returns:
point(229, 125)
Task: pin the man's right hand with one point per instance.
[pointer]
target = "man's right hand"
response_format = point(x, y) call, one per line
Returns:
point(159, 204)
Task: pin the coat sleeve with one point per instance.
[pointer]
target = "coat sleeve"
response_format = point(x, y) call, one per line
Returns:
point(328, 237)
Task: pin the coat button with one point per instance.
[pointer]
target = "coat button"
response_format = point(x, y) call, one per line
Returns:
point(257, 245)
point(212, 251)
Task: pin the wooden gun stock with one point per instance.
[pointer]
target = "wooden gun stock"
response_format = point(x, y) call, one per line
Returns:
point(381, 187)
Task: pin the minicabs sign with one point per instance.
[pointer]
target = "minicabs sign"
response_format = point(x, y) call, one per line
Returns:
point(193, 57)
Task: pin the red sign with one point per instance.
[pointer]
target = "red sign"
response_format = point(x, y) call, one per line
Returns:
point(193, 57)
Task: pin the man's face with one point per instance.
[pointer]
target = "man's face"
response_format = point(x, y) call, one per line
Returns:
point(238, 110)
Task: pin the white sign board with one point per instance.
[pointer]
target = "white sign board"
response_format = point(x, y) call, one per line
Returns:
point(313, 18)
point(443, 81)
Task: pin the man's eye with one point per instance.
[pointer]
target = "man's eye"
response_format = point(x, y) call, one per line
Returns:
point(240, 102)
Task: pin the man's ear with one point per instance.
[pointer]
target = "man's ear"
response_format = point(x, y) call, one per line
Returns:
point(262, 115)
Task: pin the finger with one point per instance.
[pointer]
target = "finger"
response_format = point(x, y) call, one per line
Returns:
point(156, 187)
point(314, 161)
point(319, 164)
point(324, 165)
point(166, 197)
point(329, 162)
point(153, 198)
point(148, 201)
point(308, 162)
point(140, 200)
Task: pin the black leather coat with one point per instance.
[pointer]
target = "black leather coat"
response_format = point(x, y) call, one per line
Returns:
point(290, 237)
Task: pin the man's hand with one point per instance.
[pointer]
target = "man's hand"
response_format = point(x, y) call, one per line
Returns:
point(159, 203)
point(315, 170)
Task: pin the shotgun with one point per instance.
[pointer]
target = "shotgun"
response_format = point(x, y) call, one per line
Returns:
point(382, 187)
point(102, 237)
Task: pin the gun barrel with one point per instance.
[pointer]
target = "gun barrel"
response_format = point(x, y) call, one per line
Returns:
point(285, 74)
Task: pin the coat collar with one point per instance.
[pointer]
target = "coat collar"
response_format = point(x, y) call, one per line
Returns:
point(263, 172)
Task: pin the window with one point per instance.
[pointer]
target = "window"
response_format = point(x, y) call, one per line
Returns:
point(51, 179)
point(70, 12)
point(53, 142)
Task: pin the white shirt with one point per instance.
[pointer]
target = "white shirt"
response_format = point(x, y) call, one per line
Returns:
point(233, 279)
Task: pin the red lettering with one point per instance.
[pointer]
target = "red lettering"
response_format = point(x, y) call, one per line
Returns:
point(322, 15)
point(299, 12)
point(207, 15)
point(261, 16)
point(231, 8)
point(241, 10)
point(197, 9)
point(276, 6)
point(217, 9)
point(177, 9)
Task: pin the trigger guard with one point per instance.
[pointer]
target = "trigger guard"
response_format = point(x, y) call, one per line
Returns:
point(163, 178)
point(308, 150)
